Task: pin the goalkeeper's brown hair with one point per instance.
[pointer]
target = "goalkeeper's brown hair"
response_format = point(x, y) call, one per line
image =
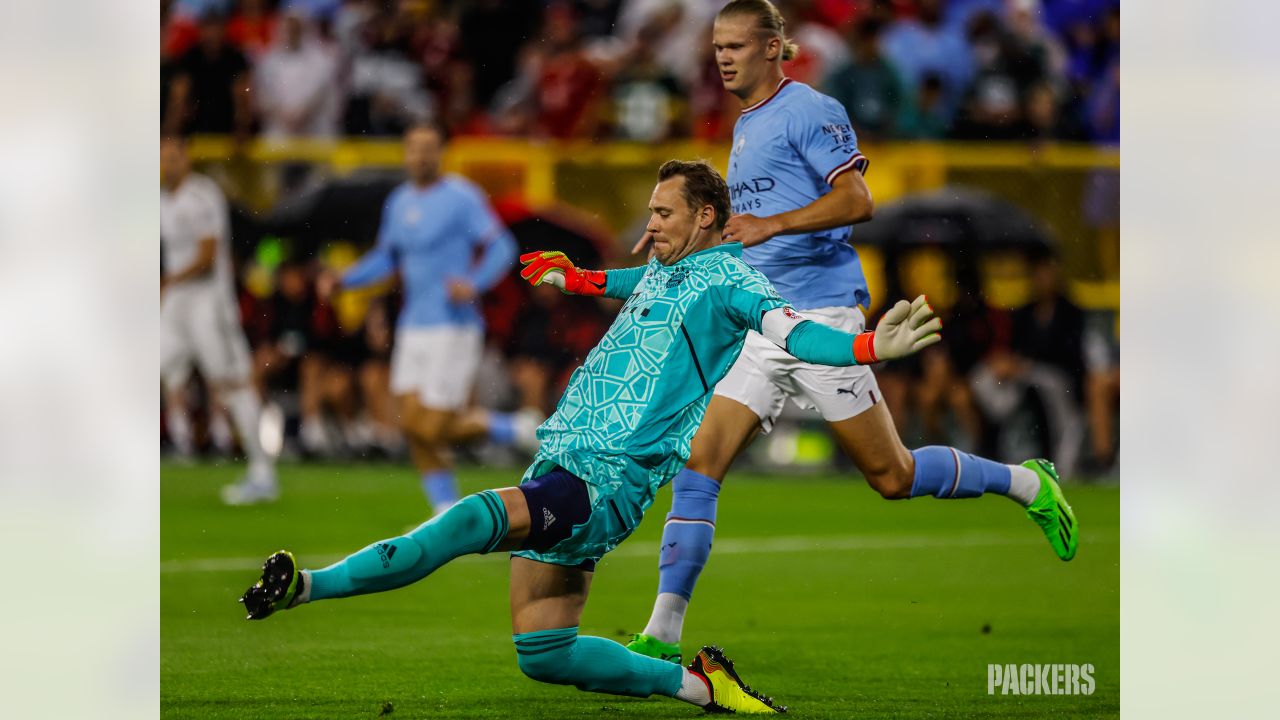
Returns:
point(768, 20)
point(702, 186)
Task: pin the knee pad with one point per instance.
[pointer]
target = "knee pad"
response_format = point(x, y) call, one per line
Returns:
point(545, 655)
point(557, 502)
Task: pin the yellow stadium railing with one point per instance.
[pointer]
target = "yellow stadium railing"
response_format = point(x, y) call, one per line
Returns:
point(611, 180)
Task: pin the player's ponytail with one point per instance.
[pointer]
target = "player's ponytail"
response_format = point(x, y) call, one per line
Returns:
point(767, 18)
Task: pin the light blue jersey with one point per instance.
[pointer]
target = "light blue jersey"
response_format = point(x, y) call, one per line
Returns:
point(787, 150)
point(432, 235)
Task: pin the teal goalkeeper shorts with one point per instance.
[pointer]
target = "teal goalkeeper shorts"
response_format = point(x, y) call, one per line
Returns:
point(619, 492)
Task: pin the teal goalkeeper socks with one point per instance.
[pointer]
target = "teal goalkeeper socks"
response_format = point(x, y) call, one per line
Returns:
point(595, 664)
point(475, 524)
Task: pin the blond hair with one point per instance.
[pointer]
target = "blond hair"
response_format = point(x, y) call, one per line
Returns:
point(768, 20)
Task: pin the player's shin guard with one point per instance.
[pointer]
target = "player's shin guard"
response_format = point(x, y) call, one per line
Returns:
point(595, 664)
point(945, 472)
point(475, 524)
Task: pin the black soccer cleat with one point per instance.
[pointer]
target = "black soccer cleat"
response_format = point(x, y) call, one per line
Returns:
point(728, 693)
point(277, 587)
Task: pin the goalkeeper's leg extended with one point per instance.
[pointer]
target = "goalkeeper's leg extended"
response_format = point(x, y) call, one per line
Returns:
point(479, 523)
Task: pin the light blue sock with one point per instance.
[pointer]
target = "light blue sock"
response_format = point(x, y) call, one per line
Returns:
point(440, 487)
point(594, 664)
point(502, 429)
point(475, 524)
point(687, 536)
point(945, 472)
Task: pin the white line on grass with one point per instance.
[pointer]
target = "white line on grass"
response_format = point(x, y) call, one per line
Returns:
point(725, 546)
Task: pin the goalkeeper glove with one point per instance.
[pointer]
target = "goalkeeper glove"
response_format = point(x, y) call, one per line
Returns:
point(554, 268)
point(905, 329)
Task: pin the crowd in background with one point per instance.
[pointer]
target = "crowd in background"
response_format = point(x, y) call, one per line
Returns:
point(1042, 379)
point(638, 70)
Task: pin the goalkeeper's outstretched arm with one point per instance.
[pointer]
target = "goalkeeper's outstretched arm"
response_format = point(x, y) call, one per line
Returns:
point(907, 328)
point(552, 267)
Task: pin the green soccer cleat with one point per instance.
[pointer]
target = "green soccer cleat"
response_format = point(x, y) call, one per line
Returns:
point(728, 692)
point(277, 587)
point(1051, 511)
point(650, 646)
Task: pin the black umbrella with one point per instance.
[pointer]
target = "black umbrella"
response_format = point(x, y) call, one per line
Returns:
point(957, 216)
point(346, 208)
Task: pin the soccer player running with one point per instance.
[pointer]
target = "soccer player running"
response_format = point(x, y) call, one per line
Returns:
point(620, 432)
point(432, 226)
point(200, 319)
point(795, 175)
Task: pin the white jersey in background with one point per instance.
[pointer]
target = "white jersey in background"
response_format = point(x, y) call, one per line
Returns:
point(199, 318)
point(196, 210)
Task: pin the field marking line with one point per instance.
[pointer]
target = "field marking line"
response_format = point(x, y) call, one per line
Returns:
point(725, 546)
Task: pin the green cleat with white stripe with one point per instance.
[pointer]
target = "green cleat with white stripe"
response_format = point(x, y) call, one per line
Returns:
point(1051, 511)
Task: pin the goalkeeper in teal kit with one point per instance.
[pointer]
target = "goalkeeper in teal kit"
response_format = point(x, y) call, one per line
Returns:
point(621, 431)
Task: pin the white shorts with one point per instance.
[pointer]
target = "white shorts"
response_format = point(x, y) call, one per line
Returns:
point(765, 375)
point(202, 327)
point(438, 363)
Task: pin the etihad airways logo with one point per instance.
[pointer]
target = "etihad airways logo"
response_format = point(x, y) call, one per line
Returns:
point(754, 185)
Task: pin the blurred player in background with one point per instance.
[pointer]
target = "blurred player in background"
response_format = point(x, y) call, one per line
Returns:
point(432, 228)
point(795, 176)
point(200, 320)
point(620, 432)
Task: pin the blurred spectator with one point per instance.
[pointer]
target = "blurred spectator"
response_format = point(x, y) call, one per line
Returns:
point(319, 10)
point(925, 45)
point(294, 332)
point(712, 110)
point(1040, 112)
point(569, 86)
point(492, 33)
point(648, 102)
point(975, 330)
point(295, 83)
point(208, 87)
point(927, 118)
point(386, 92)
point(1046, 367)
point(1006, 69)
point(252, 27)
point(1024, 20)
point(178, 30)
point(1104, 106)
point(958, 13)
point(688, 24)
point(436, 42)
point(868, 86)
point(822, 49)
point(597, 18)
point(1102, 357)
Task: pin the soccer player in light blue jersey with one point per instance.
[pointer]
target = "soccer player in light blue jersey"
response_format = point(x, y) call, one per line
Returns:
point(620, 432)
point(436, 223)
point(795, 176)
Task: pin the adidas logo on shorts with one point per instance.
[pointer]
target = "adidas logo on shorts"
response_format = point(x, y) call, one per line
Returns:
point(547, 518)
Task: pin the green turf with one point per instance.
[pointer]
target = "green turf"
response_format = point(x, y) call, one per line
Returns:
point(832, 600)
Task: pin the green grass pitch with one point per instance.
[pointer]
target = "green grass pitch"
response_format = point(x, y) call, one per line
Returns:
point(834, 601)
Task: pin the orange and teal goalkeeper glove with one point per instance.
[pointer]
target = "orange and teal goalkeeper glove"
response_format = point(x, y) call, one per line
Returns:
point(552, 267)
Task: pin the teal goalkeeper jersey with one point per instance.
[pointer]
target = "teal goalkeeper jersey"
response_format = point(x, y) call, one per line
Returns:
point(641, 394)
